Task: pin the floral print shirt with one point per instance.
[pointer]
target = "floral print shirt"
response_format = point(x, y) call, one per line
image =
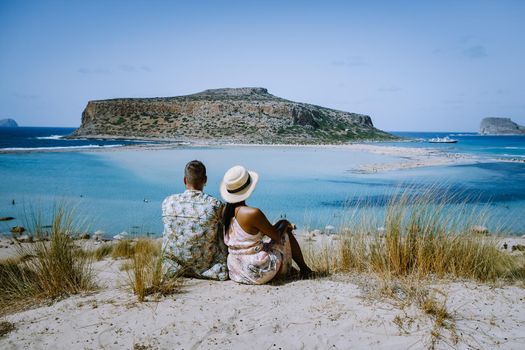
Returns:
point(193, 241)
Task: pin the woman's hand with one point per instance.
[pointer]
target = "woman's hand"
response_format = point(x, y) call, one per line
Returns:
point(284, 225)
point(281, 224)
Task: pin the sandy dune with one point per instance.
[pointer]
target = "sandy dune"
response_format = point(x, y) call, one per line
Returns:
point(326, 313)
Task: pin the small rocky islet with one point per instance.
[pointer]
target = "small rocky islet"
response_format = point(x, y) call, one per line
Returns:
point(228, 115)
point(500, 126)
point(8, 123)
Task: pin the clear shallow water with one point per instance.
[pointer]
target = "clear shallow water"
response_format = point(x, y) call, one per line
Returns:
point(122, 190)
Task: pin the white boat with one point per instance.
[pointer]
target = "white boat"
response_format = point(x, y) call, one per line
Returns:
point(445, 139)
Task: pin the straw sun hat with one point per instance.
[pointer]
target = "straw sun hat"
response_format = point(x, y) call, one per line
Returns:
point(238, 184)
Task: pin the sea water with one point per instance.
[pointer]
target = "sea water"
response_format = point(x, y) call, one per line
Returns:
point(313, 186)
point(488, 146)
point(37, 138)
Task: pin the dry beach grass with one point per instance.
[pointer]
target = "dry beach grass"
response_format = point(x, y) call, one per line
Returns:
point(55, 266)
point(46, 269)
point(421, 236)
point(146, 274)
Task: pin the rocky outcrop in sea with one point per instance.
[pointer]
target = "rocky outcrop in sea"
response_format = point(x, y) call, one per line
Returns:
point(500, 126)
point(8, 123)
point(239, 115)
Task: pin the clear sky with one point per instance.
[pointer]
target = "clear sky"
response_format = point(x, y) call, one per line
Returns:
point(410, 65)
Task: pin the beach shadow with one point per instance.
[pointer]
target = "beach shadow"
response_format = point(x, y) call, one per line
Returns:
point(297, 277)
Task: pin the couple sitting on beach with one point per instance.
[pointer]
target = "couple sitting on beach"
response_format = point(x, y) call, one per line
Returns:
point(194, 243)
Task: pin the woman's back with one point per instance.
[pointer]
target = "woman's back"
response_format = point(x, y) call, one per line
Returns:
point(241, 242)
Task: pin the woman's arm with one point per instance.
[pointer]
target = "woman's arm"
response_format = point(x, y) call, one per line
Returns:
point(260, 223)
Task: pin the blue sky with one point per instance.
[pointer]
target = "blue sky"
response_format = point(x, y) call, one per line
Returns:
point(410, 65)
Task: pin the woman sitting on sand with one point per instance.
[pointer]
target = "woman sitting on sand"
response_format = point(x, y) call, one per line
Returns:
point(250, 260)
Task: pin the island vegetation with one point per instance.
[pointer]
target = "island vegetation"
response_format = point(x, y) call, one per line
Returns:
point(239, 115)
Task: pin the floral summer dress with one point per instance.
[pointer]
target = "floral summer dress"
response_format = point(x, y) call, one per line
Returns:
point(252, 261)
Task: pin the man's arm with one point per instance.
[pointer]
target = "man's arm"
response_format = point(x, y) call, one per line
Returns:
point(221, 230)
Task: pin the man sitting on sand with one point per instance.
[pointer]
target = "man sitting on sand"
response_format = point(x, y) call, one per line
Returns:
point(193, 240)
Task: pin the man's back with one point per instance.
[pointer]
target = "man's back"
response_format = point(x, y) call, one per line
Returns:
point(192, 238)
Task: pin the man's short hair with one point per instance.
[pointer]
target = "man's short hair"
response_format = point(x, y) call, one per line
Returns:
point(195, 172)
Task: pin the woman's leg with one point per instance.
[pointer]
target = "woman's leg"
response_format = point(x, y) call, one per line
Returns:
point(285, 227)
point(297, 255)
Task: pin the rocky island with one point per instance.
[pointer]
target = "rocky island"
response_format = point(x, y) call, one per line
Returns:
point(229, 115)
point(8, 123)
point(500, 126)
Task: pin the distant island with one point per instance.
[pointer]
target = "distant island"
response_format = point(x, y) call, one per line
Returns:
point(229, 115)
point(8, 123)
point(500, 126)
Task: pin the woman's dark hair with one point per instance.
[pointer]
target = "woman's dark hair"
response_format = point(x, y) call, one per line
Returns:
point(229, 213)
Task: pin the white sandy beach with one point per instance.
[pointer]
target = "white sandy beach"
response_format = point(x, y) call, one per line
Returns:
point(337, 312)
point(314, 314)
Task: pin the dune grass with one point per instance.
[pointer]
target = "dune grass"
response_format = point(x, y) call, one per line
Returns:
point(425, 235)
point(103, 251)
point(121, 249)
point(46, 269)
point(124, 248)
point(146, 274)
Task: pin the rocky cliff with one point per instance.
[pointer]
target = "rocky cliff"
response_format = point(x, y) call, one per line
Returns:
point(8, 123)
point(241, 115)
point(500, 126)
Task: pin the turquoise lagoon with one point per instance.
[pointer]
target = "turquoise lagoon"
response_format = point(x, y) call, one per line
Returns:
point(122, 190)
